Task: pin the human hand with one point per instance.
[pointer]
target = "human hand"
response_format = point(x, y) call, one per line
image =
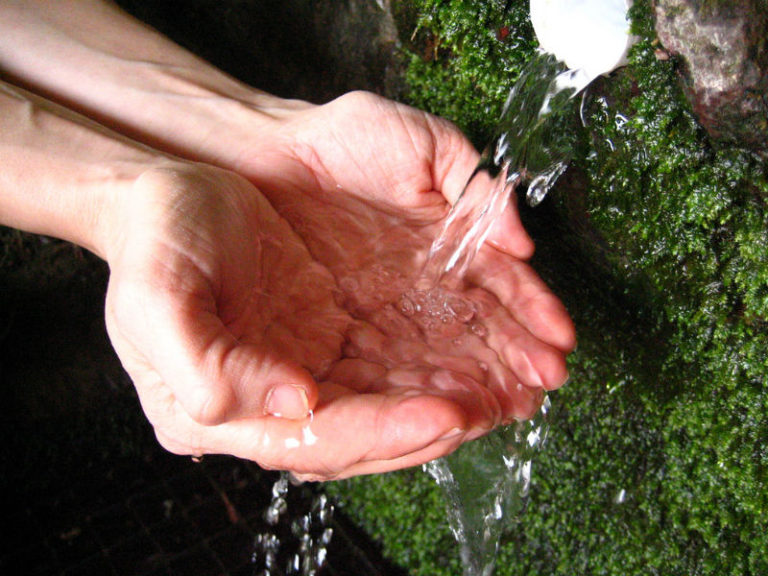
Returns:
point(364, 182)
point(183, 257)
point(214, 305)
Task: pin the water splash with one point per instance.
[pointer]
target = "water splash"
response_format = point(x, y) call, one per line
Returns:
point(531, 149)
point(293, 543)
point(532, 135)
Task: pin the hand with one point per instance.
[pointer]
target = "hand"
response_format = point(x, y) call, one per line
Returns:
point(215, 301)
point(365, 181)
point(202, 307)
point(222, 318)
point(387, 397)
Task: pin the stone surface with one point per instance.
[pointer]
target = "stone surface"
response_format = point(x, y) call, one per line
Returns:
point(303, 49)
point(722, 45)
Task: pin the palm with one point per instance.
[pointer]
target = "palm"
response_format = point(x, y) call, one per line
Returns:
point(367, 202)
point(221, 281)
point(312, 296)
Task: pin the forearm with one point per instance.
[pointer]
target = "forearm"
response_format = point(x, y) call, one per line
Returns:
point(93, 57)
point(62, 174)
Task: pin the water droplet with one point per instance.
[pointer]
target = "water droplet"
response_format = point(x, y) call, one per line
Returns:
point(322, 552)
point(300, 550)
point(295, 564)
point(478, 329)
point(533, 438)
point(275, 510)
point(308, 436)
point(407, 306)
point(291, 443)
point(280, 487)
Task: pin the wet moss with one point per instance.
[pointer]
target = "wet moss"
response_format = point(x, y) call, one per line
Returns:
point(657, 240)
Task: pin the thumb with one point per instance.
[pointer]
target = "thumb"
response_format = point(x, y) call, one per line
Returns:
point(213, 376)
point(225, 380)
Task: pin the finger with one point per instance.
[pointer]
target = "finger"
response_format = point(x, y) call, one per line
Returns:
point(349, 429)
point(534, 363)
point(454, 161)
point(527, 298)
point(214, 376)
point(437, 449)
point(509, 235)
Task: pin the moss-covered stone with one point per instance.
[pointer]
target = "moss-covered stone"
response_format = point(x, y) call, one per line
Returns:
point(657, 241)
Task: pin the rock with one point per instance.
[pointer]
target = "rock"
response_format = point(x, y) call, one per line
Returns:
point(292, 48)
point(722, 45)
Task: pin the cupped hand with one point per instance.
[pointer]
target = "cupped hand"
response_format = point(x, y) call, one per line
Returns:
point(276, 331)
point(230, 329)
point(366, 182)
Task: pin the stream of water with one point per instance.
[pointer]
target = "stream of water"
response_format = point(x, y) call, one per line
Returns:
point(296, 533)
point(486, 481)
point(486, 487)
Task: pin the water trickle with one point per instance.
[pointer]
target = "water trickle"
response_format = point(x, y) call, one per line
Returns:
point(486, 481)
point(486, 485)
point(293, 543)
point(531, 149)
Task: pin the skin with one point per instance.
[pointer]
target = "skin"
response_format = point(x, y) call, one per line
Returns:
point(235, 225)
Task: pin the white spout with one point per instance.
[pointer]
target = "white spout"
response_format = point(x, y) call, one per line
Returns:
point(588, 35)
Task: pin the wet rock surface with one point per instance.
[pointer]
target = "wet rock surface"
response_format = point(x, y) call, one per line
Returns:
point(723, 48)
point(302, 49)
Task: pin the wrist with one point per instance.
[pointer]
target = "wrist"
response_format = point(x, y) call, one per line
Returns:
point(64, 175)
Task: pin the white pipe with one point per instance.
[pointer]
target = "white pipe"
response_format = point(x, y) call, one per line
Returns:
point(588, 35)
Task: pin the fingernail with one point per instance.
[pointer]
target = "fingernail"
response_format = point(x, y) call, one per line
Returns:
point(287, 401)
point(452, 433)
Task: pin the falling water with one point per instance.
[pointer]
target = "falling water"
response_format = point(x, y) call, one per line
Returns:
point(531, 149)
point(486, 481)
point(293, 542)
point(486, 487)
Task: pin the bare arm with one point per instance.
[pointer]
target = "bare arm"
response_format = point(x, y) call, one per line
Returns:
point(60, 171)
point(205, 308)
point(93, 57)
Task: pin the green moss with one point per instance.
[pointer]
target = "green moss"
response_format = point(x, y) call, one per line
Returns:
point(404, 510)
point(657, 241)
point(464, 57)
